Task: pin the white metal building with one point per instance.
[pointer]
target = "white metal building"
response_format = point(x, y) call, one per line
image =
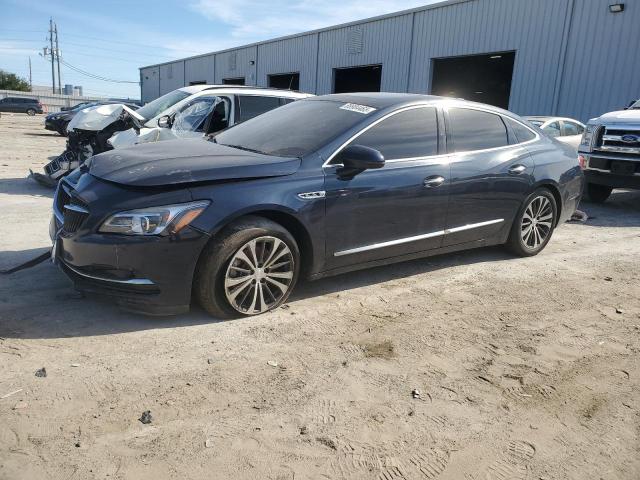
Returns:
point(575, 58)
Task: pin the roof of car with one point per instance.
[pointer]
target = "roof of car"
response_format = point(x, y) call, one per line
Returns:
point(199, 88)
point(546, 118)
point(378, 99)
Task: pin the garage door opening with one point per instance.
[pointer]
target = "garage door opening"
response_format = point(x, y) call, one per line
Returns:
point(480, 78)
point(357, 79)
point(285, 81)
point(233, 81)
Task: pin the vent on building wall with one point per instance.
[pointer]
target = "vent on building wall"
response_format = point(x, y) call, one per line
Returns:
point(354, 41)
point(232, 60)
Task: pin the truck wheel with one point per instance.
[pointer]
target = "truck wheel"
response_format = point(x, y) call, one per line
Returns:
point(31, 112)
point(534, 224)
point(598, 193)
point(251, 268)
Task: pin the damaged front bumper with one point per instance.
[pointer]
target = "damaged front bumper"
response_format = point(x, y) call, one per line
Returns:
point(147, 274)
point(150, 275)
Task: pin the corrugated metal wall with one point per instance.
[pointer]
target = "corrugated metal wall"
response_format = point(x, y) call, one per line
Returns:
point(150, 87)
point(573, 57)
point(236, 63)
point(383, 42)
point(171, 76)
point(297, 54)
point(200, 69)
point(534, 29)
point(602, 67)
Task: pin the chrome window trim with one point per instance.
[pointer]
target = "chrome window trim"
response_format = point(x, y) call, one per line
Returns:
point(400, 241)
point(373, 124)
point(484, 110)
point(445, 107)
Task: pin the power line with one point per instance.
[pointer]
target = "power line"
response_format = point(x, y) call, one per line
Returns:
point(74, 52)
point(127, 43)
point(151, 55)
point(92, 75)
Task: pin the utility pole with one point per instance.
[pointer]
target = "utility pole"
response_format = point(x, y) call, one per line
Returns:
point(53, 73)
point(30, 82)
point(58, 59)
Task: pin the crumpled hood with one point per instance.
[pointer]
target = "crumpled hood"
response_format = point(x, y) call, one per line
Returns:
point(98, 117)
point(620, 116)
point(185, 161)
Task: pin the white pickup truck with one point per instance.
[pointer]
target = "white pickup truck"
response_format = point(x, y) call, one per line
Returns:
point(609, 152)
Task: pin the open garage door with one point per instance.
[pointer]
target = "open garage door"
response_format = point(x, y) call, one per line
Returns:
point(357, 79)
point(285, 81)
point(233, 81)
point(480, 78)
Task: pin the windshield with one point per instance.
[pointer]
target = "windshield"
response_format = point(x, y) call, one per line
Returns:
point(636, 105)
point(293, 130)
point(537, 123)
point(193, 116)
point(159, 105)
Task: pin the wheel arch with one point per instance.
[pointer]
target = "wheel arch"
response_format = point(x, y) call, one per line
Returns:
point(286, 219)
point(554, 188)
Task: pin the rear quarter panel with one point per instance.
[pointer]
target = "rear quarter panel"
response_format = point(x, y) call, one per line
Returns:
point(556, 166)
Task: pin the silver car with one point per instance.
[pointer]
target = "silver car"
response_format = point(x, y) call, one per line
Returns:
point(566, 130)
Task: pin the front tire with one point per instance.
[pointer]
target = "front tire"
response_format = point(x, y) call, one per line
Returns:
point(534, 224)
point(250, 268)
point(31, 112)
point(598, 193)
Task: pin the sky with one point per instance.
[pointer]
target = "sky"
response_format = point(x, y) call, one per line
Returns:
point(113, 38)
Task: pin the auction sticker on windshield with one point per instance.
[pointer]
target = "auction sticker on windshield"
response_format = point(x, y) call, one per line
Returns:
point(354, 107)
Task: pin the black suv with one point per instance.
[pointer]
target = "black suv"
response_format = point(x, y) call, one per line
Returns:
point(30, 106)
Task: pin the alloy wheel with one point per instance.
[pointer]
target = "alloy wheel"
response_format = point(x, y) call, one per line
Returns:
point(537, 222)
point(259, 275)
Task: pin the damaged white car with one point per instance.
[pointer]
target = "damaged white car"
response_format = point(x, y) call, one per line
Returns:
point(209, 111)
point(185, 112)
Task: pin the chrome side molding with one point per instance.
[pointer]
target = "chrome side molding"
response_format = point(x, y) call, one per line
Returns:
point(416, 238)
point(132, 281)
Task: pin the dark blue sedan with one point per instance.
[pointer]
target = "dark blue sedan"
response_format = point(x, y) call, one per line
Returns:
point(318, 187)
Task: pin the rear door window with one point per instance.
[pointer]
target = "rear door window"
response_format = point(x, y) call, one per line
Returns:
point(409, 134)
point(476, 130)
point(553, 129)
point(522, 133)
point(571, 128)
point(254, 105)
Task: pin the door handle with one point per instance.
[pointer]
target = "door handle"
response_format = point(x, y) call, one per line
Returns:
point(435, 181)
point(517, 169)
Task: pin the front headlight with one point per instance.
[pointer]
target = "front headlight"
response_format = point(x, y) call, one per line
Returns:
point(587, 137)
point(165, 219)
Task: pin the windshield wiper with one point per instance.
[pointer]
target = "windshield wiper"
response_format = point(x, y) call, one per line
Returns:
point(246, 149)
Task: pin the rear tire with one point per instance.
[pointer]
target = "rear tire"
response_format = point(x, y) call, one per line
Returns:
point(31, 112)
point(534, 224)
point(237, 274)
point(598, 193)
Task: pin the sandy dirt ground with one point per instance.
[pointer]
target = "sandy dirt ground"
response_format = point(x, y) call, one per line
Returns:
point(524, 368)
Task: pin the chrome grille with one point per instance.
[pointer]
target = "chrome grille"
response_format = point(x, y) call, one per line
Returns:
point(63, 198)
point(620, 140)
point(73, 210)
point(73, 215)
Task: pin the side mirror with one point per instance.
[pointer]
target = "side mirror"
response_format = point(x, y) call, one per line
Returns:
point(358, 158)
point(165, 121)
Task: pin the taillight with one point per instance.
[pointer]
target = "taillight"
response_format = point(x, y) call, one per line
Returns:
point(582, 161)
